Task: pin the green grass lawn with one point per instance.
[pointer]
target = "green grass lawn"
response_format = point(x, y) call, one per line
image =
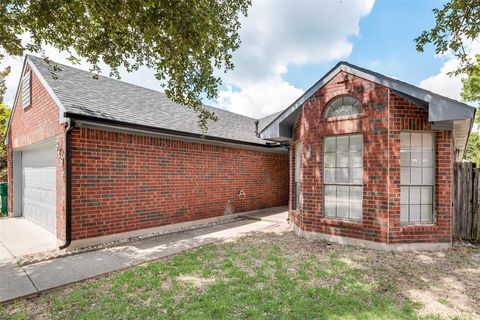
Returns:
point(266, 276)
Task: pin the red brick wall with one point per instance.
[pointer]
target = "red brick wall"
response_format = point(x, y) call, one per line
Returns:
point(36, 123)
point(384, 115)
point(405, 116)
point(123, 182)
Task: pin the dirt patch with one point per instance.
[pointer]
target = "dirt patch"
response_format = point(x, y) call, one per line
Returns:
point(445, 283)
point(197, 281)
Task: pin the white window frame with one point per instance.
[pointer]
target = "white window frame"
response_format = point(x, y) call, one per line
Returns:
point(348, 184)
point(422, 186)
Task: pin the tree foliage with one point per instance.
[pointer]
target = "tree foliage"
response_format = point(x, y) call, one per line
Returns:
point(4, 115)
point(471, 92)
point(457, 22)
point(472, 153)
point(471, 84)
point(184, 41)
point(3, 74)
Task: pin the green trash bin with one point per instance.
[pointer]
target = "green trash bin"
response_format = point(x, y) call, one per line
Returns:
point(3, 194)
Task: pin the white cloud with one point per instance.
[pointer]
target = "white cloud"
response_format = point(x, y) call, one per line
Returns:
point(143, 77)
point(276, 35)
point(11, 81)
point(444, 84)
point(258, 100)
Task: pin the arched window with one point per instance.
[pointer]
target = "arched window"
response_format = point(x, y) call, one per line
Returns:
point(343, 106)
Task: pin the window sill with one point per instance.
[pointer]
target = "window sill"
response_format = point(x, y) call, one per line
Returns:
point(344, 118)
point(337, 221)
point(418, 225)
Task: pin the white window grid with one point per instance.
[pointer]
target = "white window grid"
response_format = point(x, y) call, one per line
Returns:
point(351, 209)
point(417, 195)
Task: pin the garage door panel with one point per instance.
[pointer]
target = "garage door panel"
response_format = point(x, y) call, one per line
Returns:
point(39, 186)
point(40, 178)
point(37, 212)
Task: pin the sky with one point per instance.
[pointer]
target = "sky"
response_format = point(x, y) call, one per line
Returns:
point(288, 45)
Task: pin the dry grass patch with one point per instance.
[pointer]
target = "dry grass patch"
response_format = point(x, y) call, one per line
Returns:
point(275, 275)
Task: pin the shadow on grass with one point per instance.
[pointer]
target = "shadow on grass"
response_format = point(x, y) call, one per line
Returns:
point(264, 276)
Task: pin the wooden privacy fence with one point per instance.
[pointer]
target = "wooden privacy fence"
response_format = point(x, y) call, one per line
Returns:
point(466, 201)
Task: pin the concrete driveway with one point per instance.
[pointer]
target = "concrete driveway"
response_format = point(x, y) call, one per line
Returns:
point(20, 237)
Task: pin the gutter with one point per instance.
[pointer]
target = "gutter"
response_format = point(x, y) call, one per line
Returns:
point(68, 185)
point(133, 126)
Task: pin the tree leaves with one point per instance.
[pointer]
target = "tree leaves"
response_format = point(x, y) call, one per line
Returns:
point(472, 153)
point(456, 23)
point(4, 115)
point(471, 92)
point(3, 74)
point(184, 41)
point(471, 84)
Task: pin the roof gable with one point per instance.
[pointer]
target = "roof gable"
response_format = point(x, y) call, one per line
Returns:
point(27, 63)
point(441, 110)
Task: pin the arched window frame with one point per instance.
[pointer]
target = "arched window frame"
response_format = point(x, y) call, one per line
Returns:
point(330, 105)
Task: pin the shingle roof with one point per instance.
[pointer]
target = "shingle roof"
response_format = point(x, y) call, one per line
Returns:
point(263, 122)
point(116, 100)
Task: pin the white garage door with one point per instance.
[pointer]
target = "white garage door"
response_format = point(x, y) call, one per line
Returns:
point(39, 185)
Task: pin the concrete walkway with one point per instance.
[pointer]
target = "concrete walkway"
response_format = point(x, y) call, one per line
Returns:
point(276, 214)
point(16, 281)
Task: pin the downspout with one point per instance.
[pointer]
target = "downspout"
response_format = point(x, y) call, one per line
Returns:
point(289, 181)
point(388, 165)
point(68, 185)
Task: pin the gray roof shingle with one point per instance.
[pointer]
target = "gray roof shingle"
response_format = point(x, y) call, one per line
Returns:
point(265, 121)
point(116, 100)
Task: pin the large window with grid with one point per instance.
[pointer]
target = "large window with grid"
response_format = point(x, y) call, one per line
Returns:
point(416, 177)
point(343, 177)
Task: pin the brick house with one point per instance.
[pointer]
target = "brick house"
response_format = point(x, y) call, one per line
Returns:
point(372, 160)
point(102, 159)
point(368, 159)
